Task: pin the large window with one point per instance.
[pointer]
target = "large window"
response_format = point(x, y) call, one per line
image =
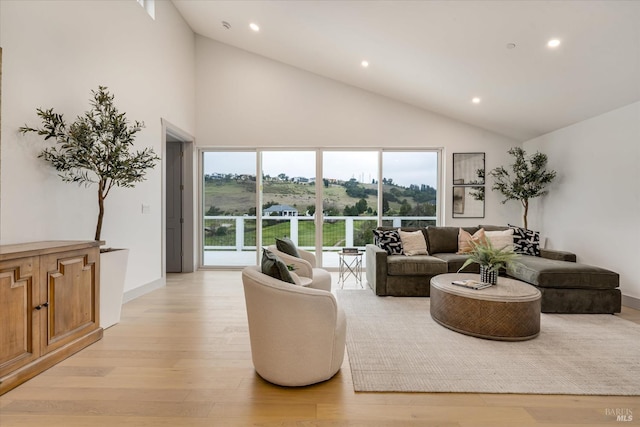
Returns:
point(409, 182)
point(324, 200)
point(229, 208)
point(349, 201)
point(289, 197)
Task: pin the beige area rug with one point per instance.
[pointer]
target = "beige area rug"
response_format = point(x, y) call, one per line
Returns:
point(394, 345)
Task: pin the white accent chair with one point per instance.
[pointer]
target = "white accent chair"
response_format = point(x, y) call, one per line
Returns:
point(305, 268)
point(297, 333)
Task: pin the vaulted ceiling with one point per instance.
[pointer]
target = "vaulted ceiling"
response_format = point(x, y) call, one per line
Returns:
point(438, 55)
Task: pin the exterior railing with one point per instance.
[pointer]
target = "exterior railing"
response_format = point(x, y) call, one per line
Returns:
point(238, 233)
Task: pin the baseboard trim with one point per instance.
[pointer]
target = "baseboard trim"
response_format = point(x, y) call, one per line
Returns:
point(631, 302)
point(132, 294)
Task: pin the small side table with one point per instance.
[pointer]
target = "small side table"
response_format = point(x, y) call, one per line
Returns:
point(350, 265)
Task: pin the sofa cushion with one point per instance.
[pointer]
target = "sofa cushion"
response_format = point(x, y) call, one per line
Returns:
point(526, 242)
point(287, 246)
point(445, 239)
point(418, 265)
point(455, 261)
point(413, 243)
point(548, 273)
point(389, 240)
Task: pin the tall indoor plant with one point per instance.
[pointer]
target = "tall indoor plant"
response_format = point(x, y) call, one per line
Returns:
point(528, 179)
point(97, 148)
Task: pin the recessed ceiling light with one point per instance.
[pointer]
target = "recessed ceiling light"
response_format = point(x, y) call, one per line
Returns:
point(254, 27)
point(475, 100)
point(553, 43)
point(365, 64)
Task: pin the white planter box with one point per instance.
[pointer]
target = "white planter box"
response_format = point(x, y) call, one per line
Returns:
point(113, 270)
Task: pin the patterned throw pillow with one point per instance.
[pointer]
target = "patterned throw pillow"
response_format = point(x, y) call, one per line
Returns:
point(465, 239)
point(273, 266)
point(389, 241)
point(526, 242)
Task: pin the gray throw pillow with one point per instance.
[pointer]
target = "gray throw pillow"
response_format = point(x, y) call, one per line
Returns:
point(287, 246)
point(275, 267)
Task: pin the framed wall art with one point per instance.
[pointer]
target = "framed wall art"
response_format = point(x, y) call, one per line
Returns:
point(468, 185)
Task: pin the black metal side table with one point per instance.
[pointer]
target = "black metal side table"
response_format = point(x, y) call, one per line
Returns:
point(350, 265)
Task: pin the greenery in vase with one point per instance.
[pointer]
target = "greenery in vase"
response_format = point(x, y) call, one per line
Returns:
point(96, 148)
point(528, 180)
point(485, 254)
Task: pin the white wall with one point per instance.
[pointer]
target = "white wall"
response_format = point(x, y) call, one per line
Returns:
point(54, 54)
point(246, 100)
point(593, 207)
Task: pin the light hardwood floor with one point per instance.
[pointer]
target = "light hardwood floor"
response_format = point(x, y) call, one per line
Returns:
point(181, 357)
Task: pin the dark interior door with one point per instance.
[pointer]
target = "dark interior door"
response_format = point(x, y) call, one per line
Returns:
point(174, 207)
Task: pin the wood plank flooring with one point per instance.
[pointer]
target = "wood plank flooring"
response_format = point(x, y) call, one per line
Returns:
point(181, 357)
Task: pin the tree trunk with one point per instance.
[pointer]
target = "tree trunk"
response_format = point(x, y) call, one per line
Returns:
point(525, 203)
point(100, 210)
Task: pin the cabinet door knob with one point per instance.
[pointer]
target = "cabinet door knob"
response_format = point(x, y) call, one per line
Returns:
point(39, 307)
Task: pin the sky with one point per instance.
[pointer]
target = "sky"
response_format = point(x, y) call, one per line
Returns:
point(404, 168)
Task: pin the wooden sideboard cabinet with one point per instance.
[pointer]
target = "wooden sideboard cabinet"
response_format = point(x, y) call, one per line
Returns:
point(49, 305)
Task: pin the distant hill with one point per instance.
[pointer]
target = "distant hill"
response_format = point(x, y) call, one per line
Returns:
point(236, 196)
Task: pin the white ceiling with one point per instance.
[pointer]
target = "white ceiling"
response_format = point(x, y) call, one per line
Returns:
point(437, 55)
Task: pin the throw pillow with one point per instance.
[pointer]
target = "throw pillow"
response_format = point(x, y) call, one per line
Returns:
point(275, 267)
point(525, 241)
point(466, 240)
point(413, 243)
point(500, 239)
point(388, 240)
point(287, 246)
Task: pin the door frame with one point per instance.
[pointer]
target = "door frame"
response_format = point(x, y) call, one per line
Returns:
point(174, 133)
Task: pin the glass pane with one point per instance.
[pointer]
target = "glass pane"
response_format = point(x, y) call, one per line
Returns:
point(409, 188)
point(289, 197)
point(229, 208)
point(350, 201)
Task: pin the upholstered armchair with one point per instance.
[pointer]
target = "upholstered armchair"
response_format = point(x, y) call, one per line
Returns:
point(305, 267)
point(297, 333)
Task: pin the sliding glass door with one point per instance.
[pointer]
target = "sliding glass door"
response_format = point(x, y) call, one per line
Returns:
point(289, 197)
point(324, 200)
point(349, 201)
point(229, 208)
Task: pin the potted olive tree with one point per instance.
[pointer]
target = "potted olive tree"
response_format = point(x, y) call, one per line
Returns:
point(528, 178)
point(97, 148)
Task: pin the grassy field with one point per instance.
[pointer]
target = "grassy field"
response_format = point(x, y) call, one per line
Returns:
point(238, 198)
point(333, 233)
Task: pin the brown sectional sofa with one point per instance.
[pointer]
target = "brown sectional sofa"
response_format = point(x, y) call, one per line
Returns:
point(566, 286)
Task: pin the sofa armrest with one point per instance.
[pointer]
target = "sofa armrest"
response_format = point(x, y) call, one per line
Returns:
point(557, 255)
point(376, 270)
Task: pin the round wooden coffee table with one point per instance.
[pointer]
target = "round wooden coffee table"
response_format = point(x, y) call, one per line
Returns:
point(508, 311)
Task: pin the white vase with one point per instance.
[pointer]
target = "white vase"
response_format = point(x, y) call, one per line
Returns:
point(113, 270)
